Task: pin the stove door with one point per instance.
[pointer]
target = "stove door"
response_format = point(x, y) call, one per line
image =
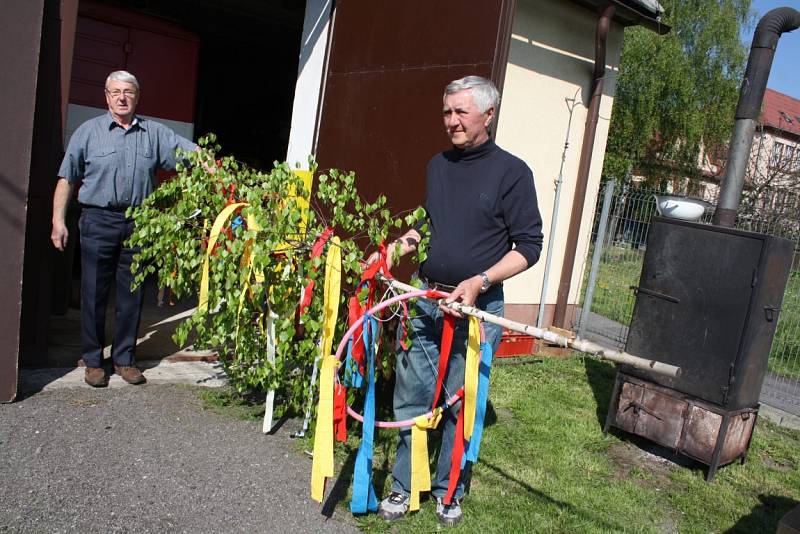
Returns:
point(692, 304)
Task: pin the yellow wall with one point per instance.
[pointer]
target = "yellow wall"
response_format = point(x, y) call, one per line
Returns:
point(550, 61)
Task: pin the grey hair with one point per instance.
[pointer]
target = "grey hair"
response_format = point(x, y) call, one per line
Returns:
point(123, 76)
point(484, 93)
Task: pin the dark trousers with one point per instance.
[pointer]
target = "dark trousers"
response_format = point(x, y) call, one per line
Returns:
point(104, 255)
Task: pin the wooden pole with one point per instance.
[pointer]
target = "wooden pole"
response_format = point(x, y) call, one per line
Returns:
point(582, 345)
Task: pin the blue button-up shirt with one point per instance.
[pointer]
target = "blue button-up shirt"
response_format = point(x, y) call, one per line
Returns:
point(117, 167)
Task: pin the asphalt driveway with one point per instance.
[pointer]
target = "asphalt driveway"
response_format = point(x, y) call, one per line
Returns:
point(148, 459)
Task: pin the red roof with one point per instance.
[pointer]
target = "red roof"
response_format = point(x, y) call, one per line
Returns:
point(781, 112)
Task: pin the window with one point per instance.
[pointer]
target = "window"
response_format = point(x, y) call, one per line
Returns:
point(777, 154)
point(788, 158)
point(794, 159)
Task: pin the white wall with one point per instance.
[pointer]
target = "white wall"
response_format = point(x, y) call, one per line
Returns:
point(550, 62)
point(309, 87)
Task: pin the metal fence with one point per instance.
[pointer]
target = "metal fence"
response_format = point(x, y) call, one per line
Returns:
point(614, 264)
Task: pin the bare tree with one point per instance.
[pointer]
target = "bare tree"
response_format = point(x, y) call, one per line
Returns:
point(771, 198)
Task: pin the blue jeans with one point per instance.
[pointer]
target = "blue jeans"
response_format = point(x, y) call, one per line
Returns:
point(417, 371)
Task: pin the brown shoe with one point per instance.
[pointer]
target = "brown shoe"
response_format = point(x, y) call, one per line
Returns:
point(130, 374)
point(96, 377)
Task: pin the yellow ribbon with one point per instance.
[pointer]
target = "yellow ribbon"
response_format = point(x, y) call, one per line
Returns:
point(420, 470)
point(247, 263)
point(322, 466)
point(471, 373)
point(216, 228)
point(333, 282)
point(302, 200)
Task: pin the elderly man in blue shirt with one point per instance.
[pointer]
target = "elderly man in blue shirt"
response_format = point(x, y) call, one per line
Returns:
point(114, 157)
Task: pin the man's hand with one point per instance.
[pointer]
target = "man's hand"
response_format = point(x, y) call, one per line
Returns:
point(465, 293)
point(59, 235)
point(376, 256)
point(210, 169)
point(61, 197)
point(402, 246)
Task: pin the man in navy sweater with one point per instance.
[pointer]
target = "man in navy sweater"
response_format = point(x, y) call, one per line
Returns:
point(485, 227)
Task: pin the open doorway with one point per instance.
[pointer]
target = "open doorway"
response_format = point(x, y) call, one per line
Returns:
point(222, 66)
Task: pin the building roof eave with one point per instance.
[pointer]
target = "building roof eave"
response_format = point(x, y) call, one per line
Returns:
point(646, 13)
point(781, 133)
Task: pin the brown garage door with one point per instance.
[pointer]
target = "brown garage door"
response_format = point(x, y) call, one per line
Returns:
point(388, 65)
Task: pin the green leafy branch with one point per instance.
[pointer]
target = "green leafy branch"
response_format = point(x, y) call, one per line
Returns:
point(172, 231)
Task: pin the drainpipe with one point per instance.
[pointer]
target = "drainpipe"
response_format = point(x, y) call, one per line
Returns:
point(762, 51)
point(564, 286)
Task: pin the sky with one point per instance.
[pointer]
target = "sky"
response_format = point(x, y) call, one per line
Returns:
point(785, 74)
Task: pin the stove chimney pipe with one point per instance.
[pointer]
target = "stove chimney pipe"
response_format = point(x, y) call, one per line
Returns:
point(762, 51)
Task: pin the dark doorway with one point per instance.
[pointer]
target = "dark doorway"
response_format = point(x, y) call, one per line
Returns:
point(247, 68)
point(241, 57)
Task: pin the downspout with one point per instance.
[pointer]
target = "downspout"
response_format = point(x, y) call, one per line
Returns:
point(762, 51)
point(564, 286)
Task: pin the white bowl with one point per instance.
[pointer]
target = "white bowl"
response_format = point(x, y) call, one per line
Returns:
point(685, 209)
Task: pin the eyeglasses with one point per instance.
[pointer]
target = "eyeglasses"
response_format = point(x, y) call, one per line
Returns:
point(130, 93)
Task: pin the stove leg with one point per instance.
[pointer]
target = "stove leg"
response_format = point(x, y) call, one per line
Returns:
point(723, 431)
point(750, 438)
point(613, 405)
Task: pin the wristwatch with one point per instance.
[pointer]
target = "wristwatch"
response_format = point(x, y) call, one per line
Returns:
point(486, 283)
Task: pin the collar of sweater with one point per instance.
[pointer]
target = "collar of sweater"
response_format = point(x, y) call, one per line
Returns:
point(471, 154)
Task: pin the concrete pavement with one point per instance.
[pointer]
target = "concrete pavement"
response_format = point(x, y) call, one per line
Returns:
point(148, 459)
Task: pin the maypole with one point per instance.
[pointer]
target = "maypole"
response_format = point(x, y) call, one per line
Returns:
point(582, 345)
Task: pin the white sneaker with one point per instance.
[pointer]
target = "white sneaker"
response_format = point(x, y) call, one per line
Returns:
point(394, 506)
point(448, 514)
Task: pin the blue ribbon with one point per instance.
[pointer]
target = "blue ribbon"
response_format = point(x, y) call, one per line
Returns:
point(474, 445)
point(352, 376)
point(364, 498)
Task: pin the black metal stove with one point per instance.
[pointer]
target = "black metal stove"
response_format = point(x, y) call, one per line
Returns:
point(708, 301)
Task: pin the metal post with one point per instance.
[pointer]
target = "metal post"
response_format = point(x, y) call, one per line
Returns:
point(598, 252)
point(554, 218)
point(269, 402)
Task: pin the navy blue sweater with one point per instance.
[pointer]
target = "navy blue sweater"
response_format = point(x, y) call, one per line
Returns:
point(480, 203)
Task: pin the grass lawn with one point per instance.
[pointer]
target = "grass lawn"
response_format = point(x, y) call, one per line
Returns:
point(545, 466)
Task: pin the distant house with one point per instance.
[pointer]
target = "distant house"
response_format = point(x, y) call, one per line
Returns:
point(771, 195)
point(772, 182)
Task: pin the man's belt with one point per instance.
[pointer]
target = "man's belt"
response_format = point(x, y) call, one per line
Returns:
point(433, 284)
point(115, 209)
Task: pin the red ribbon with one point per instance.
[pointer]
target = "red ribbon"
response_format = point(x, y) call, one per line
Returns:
point(444, 355)
point(458, 452)
point(356, 309)
point(340, 412)
point(316, 252)
point(354, 312)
